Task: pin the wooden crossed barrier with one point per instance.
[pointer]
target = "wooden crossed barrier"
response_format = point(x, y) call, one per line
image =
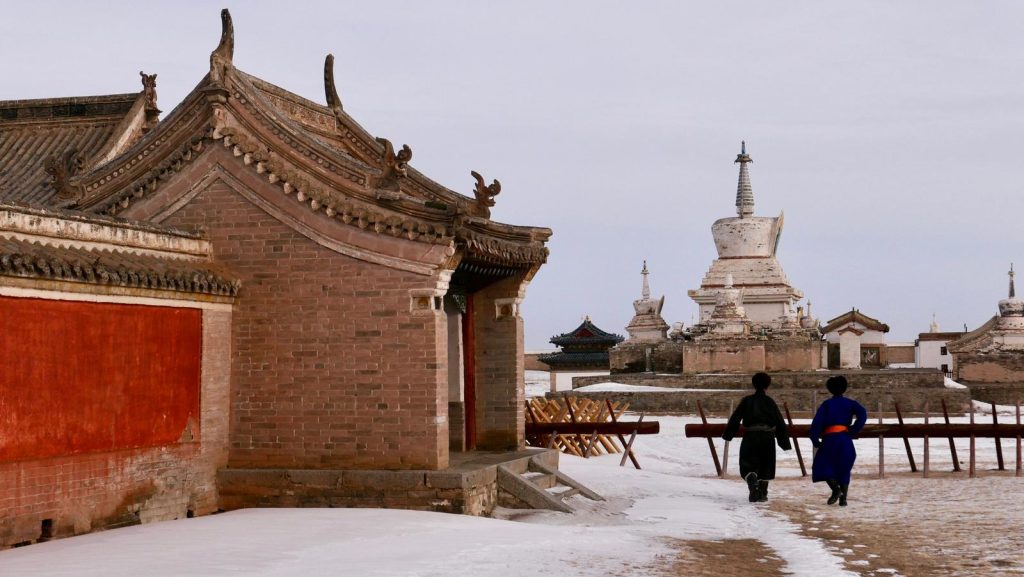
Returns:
point(584, 427)
point(881, 431)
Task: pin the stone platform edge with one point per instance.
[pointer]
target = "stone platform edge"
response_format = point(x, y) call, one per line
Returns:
point(468, 487)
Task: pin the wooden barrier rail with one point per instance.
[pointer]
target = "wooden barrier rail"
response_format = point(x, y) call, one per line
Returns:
point(607, 428)
point(926, 431)
point(910, 431)
point(583, 427)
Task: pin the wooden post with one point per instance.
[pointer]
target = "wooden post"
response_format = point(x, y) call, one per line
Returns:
point(725, 459)
point(970, 467)
point(469, 372)
point(572, 419)
point(906, 441)
point(711, 443)
point(725, 447)
point(926, 455)
point(590, 444)
point(881, 446)
point(796, 445)
point(999, 443)
point(1018, 468)
point(628, 452)
point(952, 445)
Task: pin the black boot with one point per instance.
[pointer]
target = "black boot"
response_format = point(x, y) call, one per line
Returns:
point(835, 491)
point(762, 491)
point(751, 480)
point(842, 494)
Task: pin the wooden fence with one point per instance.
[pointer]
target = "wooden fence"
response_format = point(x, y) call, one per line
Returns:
point(584, 427)
point(905, 431)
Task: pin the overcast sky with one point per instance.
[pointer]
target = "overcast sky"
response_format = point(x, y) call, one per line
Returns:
point(888, 132)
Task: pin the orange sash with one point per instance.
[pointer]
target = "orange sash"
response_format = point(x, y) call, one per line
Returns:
point(836, 429)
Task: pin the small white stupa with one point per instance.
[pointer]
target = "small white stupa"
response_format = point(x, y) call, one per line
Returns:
point(647, 323)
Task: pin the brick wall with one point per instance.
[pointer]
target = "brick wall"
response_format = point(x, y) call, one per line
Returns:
point(499, 366)
point(631, 357)
point(83, 492)
point(330, 368)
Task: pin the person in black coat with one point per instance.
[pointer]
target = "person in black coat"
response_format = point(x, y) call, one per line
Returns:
point(764, 428)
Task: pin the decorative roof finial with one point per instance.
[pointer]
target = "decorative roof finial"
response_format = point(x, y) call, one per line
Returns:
point(222, 56)
point(934, 327)
point(744, 192)
point(484, 194)
point(647, 287)
point(1011, 282)
point(333, 101)
point(149, 90)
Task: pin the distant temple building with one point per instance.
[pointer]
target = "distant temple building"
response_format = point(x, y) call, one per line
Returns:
point(342, 332)
point(990, 359)
point(584, 352)
point(856, 341)
point(931, 350)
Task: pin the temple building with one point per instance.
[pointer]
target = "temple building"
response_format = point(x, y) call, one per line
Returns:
point(990, 359)
point(930, 348)
point(584, 352)
point(253, 301)
point(856, 341)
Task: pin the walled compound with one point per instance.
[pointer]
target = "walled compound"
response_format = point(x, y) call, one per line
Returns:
point(343, 331)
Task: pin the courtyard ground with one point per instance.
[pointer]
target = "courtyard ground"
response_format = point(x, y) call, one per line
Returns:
point(674, 517)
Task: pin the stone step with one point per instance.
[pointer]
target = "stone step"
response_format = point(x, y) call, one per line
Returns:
point(542, 480)
point(563, 492)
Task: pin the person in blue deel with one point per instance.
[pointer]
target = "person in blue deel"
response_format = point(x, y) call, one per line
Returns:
point(836, 423)
point(764, 427)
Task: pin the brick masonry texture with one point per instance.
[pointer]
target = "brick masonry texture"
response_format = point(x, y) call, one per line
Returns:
point(330, 368)
point(90, 491)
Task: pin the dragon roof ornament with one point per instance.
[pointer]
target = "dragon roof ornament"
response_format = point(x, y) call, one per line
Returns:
point(333, 100)
point(222, 57)
point(484, 195)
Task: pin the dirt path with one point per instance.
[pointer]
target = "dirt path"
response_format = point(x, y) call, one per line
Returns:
point(732, 557)
point(906, 525)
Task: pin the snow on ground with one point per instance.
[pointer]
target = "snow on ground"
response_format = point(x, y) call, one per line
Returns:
point(538, 383)
point(674, 517)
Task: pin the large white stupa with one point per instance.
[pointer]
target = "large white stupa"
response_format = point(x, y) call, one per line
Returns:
point(746, 246)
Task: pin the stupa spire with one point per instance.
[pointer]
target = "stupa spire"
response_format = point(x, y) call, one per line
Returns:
point(744, 192)
point(1011, 282)
point(647, 287)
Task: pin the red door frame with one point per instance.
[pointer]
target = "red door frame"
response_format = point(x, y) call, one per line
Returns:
point(469, 373)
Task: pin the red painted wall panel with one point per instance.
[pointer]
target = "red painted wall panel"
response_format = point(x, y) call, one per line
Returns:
point(79, 377)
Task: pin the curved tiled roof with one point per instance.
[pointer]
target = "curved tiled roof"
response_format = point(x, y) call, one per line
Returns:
point(34, 131)
point(34, 260)
point(586, 334)
point(855, 316)
point(576, 359)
